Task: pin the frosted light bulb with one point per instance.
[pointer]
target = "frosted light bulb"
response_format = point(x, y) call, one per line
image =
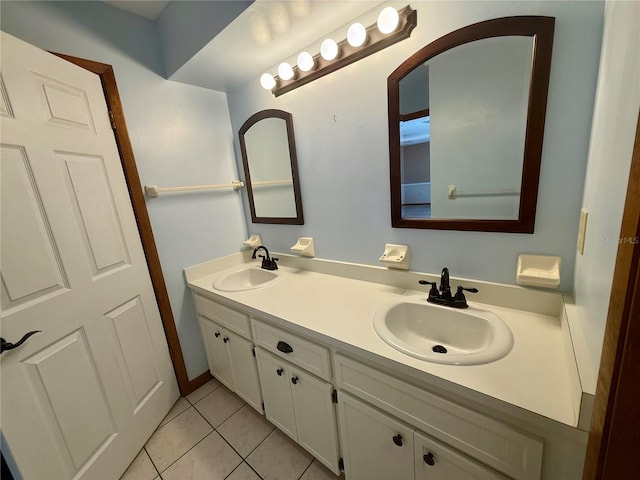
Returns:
point(329, 49)
point(267, 81)
point(285, 72)
point(388, 20)
point(356, 35)
point(306, 62)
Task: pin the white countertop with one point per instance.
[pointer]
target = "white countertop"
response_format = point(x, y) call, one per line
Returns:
point(534, 376)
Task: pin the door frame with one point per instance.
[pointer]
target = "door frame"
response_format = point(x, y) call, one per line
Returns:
point(116, 113)
point(612, 449)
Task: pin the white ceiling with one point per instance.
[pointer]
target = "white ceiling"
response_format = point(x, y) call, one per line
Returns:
point(265, 34)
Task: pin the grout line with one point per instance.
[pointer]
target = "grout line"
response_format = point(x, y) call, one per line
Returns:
point(194, 446)
point(305, 470)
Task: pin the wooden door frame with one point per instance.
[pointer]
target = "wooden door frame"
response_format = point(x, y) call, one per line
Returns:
point(116, 112)
point(612, 449)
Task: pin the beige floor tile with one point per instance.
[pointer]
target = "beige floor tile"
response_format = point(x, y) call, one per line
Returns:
point(140, 469)
point(211, 459)
point(174, 439)
point(243, 472)
point(203, 391)
point(245, 429)
point(219, 405)
point(318, 471)
point(180, 406)
point(279, 458)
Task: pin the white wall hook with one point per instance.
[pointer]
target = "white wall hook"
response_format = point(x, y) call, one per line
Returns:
point(304, 247)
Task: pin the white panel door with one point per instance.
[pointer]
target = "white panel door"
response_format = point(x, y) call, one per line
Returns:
point(375, 446)
point(219, 362)
point(80, 398)
point(434, 461)
point(245, 370)
point(276, 392)
point(315, 417)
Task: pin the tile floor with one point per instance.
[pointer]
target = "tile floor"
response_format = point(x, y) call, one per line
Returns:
point(212, 434)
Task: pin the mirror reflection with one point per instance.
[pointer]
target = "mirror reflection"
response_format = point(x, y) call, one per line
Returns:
point(466, 131)
point(271, 172)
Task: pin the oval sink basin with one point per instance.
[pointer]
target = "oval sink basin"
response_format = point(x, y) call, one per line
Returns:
point(247, 279)
point(442, 334)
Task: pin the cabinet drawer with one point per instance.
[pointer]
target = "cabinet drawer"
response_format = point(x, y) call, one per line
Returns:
point(235, 321)
point(305, 354)
point(493, 443)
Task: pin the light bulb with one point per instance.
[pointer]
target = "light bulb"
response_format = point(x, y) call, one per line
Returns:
point(267, 81)
point(388, 20)
point(329, 49)
point(306, 62)
point(356, 35)
point(285, 72)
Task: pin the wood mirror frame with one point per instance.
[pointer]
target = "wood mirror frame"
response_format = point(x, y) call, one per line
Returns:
point(288, 118)
point(541, 29)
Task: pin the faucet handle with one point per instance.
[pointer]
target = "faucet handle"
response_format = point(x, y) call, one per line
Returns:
point(433, 292)
point(459, 296)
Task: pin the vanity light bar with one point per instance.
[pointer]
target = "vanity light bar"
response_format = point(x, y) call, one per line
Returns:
point(347, 54)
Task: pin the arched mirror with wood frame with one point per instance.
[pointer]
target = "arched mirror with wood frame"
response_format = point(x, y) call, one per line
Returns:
point(466, 127)
point(268, 148)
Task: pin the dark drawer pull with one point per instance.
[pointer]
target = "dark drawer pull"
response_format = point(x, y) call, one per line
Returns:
point(279, 372)
point(284, 347)
point(294, 380)
point(397, 439)
point(217, 334)
point(225, 339)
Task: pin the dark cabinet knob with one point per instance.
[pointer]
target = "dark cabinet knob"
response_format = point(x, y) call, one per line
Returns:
point(225, 339)
point(279, 372)
point(429, 460)
point(397, 439)
point(284, 347)
point(217, 334)
point(294, 380)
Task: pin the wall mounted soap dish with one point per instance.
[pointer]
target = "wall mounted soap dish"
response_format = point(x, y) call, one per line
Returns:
point(396, 256)
point(538, 271)
point(255, 240)
point(304, 247)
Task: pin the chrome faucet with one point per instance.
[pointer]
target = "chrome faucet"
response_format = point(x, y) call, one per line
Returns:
point(443, 295)
point(268, 263)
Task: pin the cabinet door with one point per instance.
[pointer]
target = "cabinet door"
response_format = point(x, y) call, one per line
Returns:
point(245, 370)
point(434, 461)
point(375, 446)
point(276, 392)
point(315, 417)
point(219, 362)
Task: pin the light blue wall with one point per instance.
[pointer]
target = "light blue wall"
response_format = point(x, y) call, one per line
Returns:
point(612, 138)
point(340, 125)
point(181, 135)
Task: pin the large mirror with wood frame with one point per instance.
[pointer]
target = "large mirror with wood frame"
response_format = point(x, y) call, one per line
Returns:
point(268, 148)
point(466, 126)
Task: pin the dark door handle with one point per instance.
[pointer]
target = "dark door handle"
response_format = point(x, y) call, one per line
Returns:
point(428, 459)
point(294, 380)
point(225, 339)
point(4, 345)
point(397, 439)
point(284, 347)
point(279, 372)
point(217, 334)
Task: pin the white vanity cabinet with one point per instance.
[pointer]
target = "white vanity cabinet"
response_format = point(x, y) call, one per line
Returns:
point(297, 402)
point(230, 354)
